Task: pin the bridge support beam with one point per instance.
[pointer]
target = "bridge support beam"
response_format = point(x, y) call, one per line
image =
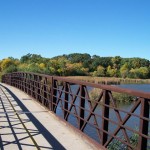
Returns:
point(105, 114)
point(53, 95)
point(82, 106)
point(66, 100)
point(144, 124)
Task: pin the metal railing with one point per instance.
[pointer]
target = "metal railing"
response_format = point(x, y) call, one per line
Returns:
point(101, 119)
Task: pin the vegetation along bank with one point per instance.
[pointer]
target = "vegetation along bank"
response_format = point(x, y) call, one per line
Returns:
point(77, 64)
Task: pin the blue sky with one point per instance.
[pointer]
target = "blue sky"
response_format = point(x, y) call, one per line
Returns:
point(56, 27)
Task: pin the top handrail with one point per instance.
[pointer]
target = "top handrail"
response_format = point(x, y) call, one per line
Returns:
point(136, 93)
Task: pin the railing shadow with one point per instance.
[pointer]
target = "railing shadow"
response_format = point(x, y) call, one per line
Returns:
point(55, 144)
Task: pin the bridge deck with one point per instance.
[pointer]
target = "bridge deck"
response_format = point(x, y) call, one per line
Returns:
point(25, 124)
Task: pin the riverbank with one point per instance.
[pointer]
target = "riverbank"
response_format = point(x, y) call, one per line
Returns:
point(110, 80)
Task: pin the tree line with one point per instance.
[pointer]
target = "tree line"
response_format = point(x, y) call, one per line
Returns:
point(77, 64)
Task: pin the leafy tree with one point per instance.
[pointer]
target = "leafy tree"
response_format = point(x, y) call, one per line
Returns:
point(42, 66)
point(79, 64)
point(34, 67)
point(25, 58)
point(23, 67)
point(31, 58)
point(141, 72)
point(76, 69)
point(10, 69)
point(62, 61)
point(100, 71)
point(85, 59)
point(124, 70)
point(144, 63)
point(136, 63)
point(6, 63)
point(100, 61)
point(111, 72)
point(116, 61)
point(144, 71)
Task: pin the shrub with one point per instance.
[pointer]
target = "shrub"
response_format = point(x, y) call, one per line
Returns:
point(119, 97)
point(94, 94)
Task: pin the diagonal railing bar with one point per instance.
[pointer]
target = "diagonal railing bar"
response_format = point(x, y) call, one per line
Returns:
point(119, 117)
point(124, 121)
point(123, 111)
point(92, 110)
point(91, 114)
point(60, 92)
point(72, 102)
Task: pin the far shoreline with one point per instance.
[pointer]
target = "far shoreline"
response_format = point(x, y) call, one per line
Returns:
point(110, 80)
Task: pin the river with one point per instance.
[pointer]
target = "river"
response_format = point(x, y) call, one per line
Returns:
point(139, 87)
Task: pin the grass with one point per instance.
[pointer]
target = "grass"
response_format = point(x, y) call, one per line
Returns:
point(109, 80)
point(118, 145)
point(118, 97)
point(122, 97)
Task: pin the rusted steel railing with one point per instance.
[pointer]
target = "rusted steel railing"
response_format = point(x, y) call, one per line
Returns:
point(101, 118)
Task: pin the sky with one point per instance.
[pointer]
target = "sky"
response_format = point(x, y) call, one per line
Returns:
point(55, 27)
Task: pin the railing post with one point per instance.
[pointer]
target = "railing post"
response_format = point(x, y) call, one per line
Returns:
point(45, 92)
point(53, 95)
point(105, 114)
point(10, 82)
point(16, 80)
point(142, 143)
point(39, 88)
point(82, 106)
point(50, 93)
point(66, 100)
point(48, 90)
point(32, 85)
point(36, 87)
point(21, 77)
point(29, 84)
point(19, 74)
point(25, 82)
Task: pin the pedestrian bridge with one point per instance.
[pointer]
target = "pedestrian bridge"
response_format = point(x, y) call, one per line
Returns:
point(24, 124)
point(46, 112)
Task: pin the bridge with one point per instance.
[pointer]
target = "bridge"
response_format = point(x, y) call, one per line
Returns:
point(48, 112)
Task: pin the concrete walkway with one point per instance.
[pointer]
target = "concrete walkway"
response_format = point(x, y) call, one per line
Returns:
point(25, 124)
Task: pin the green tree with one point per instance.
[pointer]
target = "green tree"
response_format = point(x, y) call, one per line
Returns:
point(116, 62)
point(111, 72)
point(124, 70)
point(8, 65)
point(10, 69)
point(78, 57)
point(141, 72)
point(76, 69)
point(100, 71)
point(136, 63)
point(25, 58)
point(100, 61)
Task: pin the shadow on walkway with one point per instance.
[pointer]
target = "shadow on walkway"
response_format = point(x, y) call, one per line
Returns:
point(56, 145)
